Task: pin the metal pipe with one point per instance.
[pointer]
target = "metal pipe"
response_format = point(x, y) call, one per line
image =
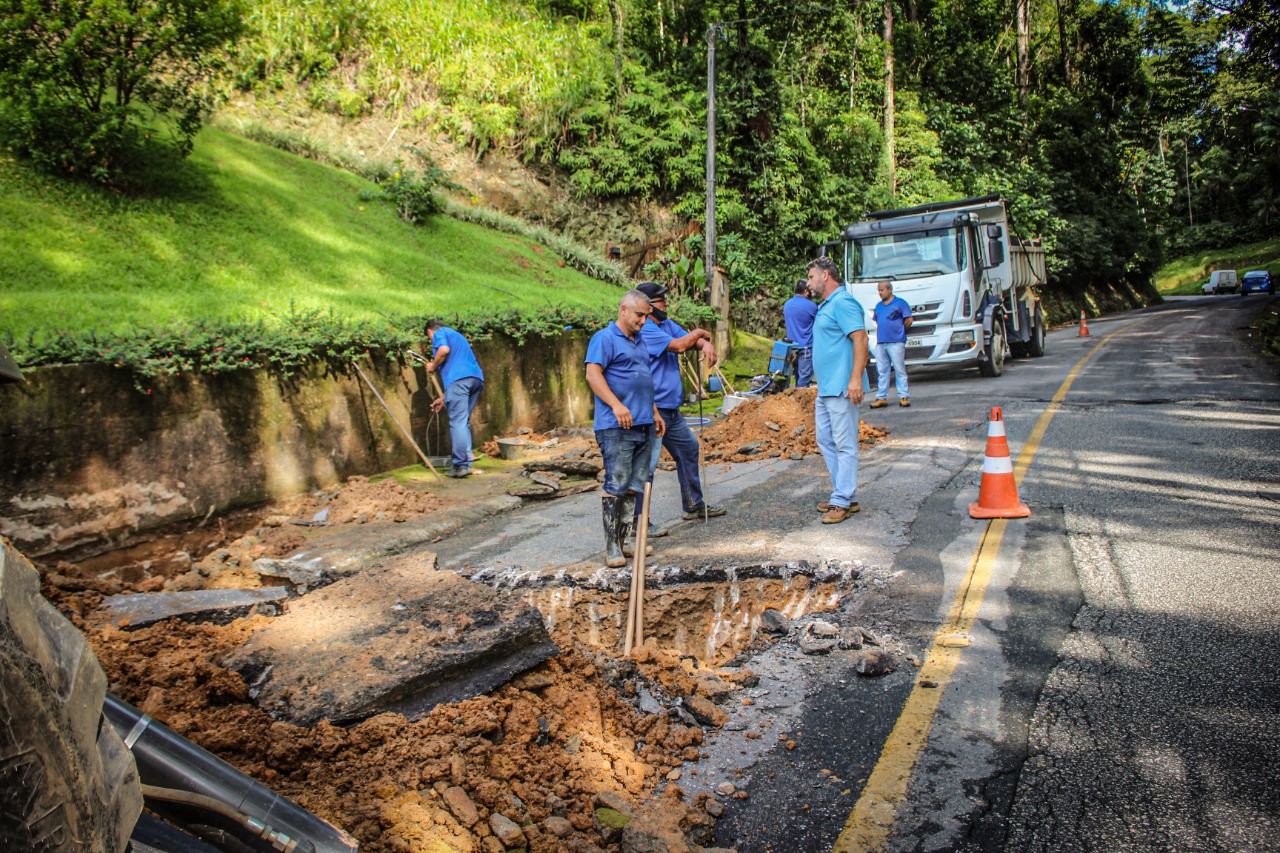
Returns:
point(166, 760)
point(275, 838)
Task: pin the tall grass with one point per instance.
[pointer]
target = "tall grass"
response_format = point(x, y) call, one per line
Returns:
point(499, 66)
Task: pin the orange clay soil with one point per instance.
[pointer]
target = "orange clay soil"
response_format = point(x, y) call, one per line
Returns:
point(778, 425)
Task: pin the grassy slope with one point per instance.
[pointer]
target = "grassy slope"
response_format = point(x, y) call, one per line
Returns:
point(1185, 275)
point(246, 231)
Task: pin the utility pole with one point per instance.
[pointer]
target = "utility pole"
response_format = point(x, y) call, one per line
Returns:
point(717, 293)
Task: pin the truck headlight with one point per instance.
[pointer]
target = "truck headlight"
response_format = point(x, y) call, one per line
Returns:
point(961, 341)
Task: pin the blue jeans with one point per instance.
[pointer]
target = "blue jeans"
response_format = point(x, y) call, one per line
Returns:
point(626, 454)
point(894, 354)
point(836, 419)
point(682, 444)
point(804, 367)
point(460, 401)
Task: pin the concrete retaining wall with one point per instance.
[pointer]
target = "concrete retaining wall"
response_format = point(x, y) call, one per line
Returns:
point(86, 460)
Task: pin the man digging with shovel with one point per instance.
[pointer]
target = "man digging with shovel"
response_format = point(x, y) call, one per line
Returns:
point(627, 422)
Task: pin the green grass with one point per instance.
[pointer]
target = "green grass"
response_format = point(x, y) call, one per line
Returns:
point(243, 231)
point(1184, 275)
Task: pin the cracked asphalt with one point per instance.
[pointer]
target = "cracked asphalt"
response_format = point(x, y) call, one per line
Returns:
point(1118, 690)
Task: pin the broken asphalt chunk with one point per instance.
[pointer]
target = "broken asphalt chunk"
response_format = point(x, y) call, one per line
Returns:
point(347, 651)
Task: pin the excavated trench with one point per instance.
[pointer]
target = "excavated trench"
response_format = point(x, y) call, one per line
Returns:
point(712, 614)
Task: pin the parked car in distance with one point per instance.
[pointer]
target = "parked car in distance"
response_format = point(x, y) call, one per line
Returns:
point(1221, 281)
point(1257, 280)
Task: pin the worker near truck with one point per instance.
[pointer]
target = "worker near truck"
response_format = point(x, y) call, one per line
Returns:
point(797, 314)
point(839, 362)
point(665, 340)
point(627, 421)
point(463, 381)
point(893, 318)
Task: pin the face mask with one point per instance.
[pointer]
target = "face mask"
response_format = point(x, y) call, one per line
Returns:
point(659, 315)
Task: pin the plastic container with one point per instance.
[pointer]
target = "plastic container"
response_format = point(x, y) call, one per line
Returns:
point(714, 385)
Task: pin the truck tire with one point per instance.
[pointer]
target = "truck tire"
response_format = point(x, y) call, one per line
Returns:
point(1035, 346)
point(67, 781)
point(993, 364)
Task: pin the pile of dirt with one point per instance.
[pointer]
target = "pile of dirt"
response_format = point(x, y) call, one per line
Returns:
point(777, 425)
point(357, 502)
point(546, 750)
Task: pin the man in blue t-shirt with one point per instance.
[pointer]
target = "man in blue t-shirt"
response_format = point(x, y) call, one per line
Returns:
point(839, 361)
point(626, 420)
point(798, 313)
point(893, 318)
point(463, 381)
point(665, 339)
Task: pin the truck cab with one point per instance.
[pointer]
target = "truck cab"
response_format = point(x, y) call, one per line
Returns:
point(970, 284)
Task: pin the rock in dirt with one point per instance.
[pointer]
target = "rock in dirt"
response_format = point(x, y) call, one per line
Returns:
point(217, 606)
point(876, 662)
point(301, 576)
point(507, 831)
point(400, 638)
point(773, 622)
point(580, 467)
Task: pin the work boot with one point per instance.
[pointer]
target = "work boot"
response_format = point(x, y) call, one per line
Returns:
point(704, 511)
point(613, 557)
point(628, 519)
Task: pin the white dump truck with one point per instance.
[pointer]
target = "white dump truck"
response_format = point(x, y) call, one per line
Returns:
point(971, 284)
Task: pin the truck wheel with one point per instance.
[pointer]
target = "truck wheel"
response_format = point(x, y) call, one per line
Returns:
point(67, 781)
point(1035, 346)
point(993, 365)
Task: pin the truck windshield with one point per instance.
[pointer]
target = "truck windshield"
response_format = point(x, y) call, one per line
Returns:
point(912, 255)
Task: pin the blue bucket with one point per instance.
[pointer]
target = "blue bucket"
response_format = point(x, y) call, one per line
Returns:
point(714, 385)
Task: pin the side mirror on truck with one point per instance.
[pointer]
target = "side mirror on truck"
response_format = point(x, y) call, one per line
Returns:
point(995, 247)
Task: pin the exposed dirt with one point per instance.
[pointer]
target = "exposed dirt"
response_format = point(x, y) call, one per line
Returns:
point(541, 750)
point(545, 745)
point(775, 425)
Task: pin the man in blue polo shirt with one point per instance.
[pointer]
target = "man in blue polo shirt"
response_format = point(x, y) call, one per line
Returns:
point(626, 420)
point(463, 381)
point(798, 313)
point(839, 361)
point(665, 339)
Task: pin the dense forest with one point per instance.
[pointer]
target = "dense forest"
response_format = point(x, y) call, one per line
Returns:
point(1121, 132)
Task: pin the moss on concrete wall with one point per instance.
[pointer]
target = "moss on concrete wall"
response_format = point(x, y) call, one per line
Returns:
point(87, 461)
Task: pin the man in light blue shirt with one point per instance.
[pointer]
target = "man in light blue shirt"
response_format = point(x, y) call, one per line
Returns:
point(626, 420)
point(798, 313)
point(463, 381)
point(839, 361)
point(893, 318)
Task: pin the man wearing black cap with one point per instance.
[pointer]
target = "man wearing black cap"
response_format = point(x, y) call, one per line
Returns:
point(666, 340)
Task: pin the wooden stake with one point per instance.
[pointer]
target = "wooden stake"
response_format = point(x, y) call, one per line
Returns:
point(391, 415)
point(633, 635)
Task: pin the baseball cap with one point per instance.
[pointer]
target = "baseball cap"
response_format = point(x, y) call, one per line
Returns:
point(652, 289)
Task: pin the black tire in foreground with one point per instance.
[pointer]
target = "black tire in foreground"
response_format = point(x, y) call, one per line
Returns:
point(67, 782)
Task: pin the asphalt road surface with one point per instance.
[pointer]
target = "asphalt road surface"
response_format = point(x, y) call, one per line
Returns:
point(1099, 676)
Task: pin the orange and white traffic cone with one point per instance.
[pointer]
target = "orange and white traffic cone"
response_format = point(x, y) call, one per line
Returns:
point(1084, 326)
point(998, 495)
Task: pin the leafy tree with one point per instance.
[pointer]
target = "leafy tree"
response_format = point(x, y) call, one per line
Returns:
point(84, 82)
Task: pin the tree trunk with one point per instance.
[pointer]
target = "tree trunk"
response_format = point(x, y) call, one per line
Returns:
point(1022, 14)
point(616, 7)
point(891, 171)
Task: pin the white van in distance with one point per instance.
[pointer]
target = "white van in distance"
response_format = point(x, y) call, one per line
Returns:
point(1222, 281)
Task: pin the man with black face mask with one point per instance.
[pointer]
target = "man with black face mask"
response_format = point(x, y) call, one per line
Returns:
point(665, 340)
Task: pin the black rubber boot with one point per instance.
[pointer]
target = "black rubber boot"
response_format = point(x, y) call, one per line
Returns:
point(630, 521)
point(613, 557)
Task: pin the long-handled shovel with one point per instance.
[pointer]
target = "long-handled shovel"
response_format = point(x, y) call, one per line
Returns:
point(702, 468)
point(634, 637)
point(396, 421)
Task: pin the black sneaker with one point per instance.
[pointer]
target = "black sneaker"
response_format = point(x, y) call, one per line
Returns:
point(706, 511)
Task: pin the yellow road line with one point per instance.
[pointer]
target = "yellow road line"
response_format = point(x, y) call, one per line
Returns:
point(873, 816)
